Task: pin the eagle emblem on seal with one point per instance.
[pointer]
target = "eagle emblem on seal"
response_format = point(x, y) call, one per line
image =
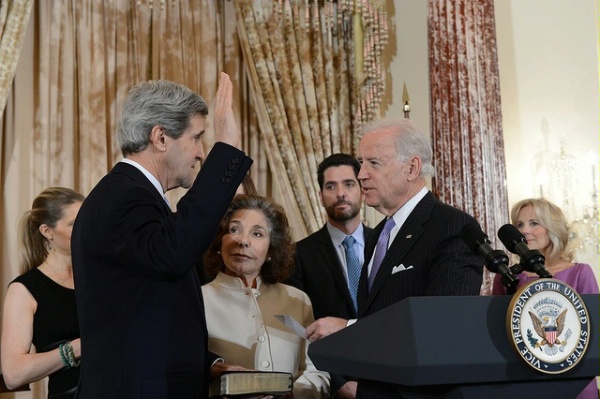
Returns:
point(549, 329)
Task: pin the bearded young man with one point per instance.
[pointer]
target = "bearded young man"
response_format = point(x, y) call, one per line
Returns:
point(329, 261)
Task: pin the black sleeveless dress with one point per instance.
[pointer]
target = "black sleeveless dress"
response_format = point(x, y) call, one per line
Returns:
point(55, 321)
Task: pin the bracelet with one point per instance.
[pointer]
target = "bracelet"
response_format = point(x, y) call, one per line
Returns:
point(61, 351)
point(71, 356)
point(67, 355)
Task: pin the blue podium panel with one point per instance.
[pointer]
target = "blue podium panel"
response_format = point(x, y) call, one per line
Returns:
point(454, 341)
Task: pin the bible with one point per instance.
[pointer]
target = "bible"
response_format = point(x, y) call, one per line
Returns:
point(243, 383)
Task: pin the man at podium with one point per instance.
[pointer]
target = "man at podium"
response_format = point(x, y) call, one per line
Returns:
point(416, 250)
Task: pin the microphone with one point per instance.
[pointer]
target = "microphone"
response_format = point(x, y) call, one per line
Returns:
point(532, 260)
point(495, 260)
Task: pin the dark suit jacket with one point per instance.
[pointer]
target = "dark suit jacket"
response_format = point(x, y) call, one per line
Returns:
point(318, 272)
point(141, 314)
point(438, 262)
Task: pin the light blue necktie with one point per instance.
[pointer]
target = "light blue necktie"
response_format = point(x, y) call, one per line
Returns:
point(354, 268)
point(382, 245)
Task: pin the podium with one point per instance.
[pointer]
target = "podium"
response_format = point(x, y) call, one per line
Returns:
point(450, 347)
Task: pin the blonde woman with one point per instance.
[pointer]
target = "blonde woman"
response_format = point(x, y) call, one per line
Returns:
point(545, 227)
point(40, 328)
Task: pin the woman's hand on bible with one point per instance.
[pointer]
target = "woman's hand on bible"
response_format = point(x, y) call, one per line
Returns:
point(221, 367)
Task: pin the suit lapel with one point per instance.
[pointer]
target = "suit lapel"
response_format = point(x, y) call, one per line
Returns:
point(407, 236)
point(370, 249)
point(363, 285)
point(328, 251)
point(409, 233)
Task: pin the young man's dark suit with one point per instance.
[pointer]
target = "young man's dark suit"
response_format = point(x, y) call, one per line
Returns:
point(438, 262)
point(318, 272)
point(143, 331)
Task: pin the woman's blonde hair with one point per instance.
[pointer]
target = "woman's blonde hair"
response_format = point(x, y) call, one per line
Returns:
point(47, 208)
point(552, 218)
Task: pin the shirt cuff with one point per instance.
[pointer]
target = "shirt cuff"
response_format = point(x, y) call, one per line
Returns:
point(217, 360)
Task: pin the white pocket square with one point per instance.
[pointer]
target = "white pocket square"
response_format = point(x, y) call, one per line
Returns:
point(400, 268)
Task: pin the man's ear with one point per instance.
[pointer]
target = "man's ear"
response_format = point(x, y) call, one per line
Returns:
point(416, 164)
point(158, 138)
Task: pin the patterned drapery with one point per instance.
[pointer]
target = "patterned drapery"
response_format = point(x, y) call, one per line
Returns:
point(77, 63)
point(316, 76)
point(466, 120)
point(14, 16)
point(81, 56)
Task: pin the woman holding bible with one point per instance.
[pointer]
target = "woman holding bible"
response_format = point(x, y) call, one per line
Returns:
point(250, 257)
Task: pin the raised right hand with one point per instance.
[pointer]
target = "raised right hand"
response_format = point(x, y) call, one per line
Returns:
point(224, 124)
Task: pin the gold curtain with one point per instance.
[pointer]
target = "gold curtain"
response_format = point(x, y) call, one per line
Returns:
point(311, 93)
point(79, 59)
point(14, 16)
point(466, 120)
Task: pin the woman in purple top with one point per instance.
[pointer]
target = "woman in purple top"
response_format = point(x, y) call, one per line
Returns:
point(545, 227)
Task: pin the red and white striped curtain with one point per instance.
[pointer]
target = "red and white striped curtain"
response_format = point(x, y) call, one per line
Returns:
point(466, 120)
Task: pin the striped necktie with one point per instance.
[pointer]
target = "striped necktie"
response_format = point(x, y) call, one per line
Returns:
point(382, 246)
point(354, 268)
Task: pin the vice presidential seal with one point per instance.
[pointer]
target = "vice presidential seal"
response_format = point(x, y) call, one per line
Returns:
point(548, 325)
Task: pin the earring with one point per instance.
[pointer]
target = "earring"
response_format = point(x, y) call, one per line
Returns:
point(269, 259)
point(218, 252)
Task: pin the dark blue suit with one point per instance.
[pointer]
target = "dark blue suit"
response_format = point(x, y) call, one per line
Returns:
point(442, 264)
point(143, 331)
point(318, 272)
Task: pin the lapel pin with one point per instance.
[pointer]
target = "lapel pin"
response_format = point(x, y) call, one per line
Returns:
point(409, 236)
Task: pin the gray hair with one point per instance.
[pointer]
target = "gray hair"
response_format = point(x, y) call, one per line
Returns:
point(410, 140)
point(156, 102)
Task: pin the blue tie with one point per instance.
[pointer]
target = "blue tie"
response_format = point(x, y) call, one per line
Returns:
point(382, 245)
point(353, 265)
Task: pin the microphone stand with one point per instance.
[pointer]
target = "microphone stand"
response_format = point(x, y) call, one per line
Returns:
point(511, 286)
